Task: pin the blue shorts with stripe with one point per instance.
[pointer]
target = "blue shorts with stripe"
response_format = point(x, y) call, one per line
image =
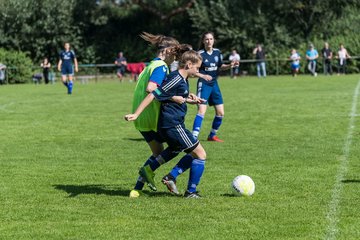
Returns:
point(179, 138)
point(210, 92)
point(67, 70)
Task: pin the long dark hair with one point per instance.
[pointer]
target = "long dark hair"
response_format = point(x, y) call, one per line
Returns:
point(201, 44)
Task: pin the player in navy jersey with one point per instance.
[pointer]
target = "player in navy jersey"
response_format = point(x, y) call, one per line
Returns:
point(151, 78)
point(65, 66)
point(171, 122)
point(212, 63)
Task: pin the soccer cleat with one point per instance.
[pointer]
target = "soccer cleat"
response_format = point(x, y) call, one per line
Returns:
point(214, 139)
point(148, 176)
point(192, 194)
point(134, 194)
point(170, 183)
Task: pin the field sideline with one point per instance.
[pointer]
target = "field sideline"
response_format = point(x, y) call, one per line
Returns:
point(68, 164)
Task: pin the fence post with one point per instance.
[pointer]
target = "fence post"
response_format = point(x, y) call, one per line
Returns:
point(96, 73)
point(277, 66)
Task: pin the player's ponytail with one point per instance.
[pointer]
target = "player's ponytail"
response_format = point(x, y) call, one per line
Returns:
point(190, 55)
point(178, 50)
point(159, 41)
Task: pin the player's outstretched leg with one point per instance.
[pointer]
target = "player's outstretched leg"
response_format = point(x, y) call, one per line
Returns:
point(147, 172)
point(170, 179)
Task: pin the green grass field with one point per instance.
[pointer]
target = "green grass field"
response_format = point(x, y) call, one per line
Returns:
point(68, 164)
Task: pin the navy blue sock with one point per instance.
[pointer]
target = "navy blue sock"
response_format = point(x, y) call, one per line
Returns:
point(183, 165)
point(66, 84)
point(164, 157)
point(197, 125)
point(197, 170)
point(140, 181)
point(216, 125)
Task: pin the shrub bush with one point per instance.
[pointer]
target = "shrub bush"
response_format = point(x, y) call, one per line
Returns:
point(19, 66)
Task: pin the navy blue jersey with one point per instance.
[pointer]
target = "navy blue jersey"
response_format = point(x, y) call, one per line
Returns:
point(67, 58)
point(172, 113)
point(211, 64)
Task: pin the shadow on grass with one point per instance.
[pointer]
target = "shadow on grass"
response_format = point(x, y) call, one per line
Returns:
point(98, 189)
point(351, 181)
point(135, 139)
point(228, 195)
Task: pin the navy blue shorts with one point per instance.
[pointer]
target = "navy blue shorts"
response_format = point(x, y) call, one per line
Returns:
point(211, 93)
point(121, 70)
point(179, 138)
point(152, 135)
point(67, 70)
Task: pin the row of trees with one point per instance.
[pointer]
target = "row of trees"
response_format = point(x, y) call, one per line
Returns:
point(98, 29)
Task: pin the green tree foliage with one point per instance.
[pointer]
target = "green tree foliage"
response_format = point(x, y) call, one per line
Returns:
point(38, 27)
point(98, 29)
point(18, 66)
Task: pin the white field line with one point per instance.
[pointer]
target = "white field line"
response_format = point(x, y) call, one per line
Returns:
point(332, 215)
point(4, 106)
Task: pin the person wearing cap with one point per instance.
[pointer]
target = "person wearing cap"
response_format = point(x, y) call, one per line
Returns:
point(311, 56)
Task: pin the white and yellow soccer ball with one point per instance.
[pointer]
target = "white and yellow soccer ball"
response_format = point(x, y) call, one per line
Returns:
point(243, 185)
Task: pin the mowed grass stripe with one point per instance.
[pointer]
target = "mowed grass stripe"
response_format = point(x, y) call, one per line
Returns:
point(332, 215)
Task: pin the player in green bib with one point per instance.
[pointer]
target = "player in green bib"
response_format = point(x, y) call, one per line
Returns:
point(151, 78)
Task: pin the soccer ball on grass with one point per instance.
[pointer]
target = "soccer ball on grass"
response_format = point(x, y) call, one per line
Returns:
point(243, 186)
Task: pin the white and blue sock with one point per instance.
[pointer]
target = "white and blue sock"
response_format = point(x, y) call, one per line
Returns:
point(183, 165)
point(164, 157)
point(215, 125)
point(196, 172)
point(197, 125)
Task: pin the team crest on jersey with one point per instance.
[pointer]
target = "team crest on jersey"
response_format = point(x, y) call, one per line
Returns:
point(216, 58)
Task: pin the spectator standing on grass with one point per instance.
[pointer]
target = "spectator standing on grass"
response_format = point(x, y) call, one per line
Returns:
point(327, 55)
point(121, 64)
point(65, 66)
point(260, 55)
point(2, 73)
point(234, 57)
point(46, 67)
point(295, 62)
point(342, 55)
point(311, 56)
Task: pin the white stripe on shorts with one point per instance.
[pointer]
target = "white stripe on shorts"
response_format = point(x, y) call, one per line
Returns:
point(183, 135)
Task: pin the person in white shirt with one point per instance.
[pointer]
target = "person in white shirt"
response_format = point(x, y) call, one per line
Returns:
point(234, 57)
point(342, 55)
point(295, 62)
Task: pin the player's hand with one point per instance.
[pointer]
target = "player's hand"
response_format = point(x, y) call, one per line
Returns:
point(193, 99)
point(178, 99)
point(76, 69)
point(235, 64)
point(207, 77)
point(131, 117)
